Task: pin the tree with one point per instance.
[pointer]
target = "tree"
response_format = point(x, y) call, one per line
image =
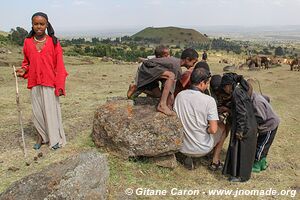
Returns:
point(17, 36)
point(279, 51)
point(266, 51)
point(95, 40)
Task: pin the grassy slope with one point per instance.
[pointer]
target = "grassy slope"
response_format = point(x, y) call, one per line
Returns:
point(172, 33)
point(3, 33)
point(89, 85)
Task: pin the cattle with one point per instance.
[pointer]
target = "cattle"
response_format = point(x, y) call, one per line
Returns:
point(224, 61)
point(295, 64)
point(258, 61)
point(265, 61)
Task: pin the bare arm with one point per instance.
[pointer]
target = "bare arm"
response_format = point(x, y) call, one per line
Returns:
point(213, 126)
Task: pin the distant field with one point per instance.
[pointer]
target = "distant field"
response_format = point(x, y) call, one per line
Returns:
point(90, 82)
point(3, 33)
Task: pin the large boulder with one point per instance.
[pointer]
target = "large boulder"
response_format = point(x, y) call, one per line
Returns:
point(80, 177)
point(134, 128)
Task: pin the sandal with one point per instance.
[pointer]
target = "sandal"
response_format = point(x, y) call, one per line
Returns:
point(216, 166)
point(55, 147)
point(37, 146)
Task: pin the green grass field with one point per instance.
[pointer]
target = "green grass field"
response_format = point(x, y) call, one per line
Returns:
point(88, 86)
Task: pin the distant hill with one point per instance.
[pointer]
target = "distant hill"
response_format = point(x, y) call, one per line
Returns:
point(170, 35)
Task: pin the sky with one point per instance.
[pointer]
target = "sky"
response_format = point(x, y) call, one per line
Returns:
point(85, 15)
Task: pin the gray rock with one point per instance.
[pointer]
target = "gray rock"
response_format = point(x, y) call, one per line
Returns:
point(80, 177)
point(134, 128)
point(229, 68)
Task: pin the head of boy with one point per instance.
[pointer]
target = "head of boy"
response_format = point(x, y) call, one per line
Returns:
point(200, 78)
point(203, 65)
point(39, 23)
point(161, 51)
point(215, 83)
point(189, 57)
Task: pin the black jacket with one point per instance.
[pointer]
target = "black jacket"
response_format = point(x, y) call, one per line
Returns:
point(241, 153)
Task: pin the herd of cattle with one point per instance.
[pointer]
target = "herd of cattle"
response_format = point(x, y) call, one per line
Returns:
point(264, 62)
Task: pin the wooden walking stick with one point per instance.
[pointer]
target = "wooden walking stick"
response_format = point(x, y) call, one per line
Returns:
point(20, 112)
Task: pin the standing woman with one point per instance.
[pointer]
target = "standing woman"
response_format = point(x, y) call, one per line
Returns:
point(242, 146)
point(44, 68)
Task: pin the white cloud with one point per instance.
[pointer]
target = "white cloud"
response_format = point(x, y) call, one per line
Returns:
point(154, 2)
point(278, 3)
point(80, 2)
point(56, 4)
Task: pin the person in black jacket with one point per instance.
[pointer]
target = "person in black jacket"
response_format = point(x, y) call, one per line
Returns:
point(242, 146)
point(204, 56)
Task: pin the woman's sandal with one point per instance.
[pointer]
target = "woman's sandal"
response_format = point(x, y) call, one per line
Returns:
point(55, 147)
point(214, 167)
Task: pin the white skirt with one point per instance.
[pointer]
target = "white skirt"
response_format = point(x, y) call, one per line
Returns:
point(47, 115)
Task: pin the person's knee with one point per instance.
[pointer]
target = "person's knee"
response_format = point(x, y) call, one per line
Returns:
point(172, 76)
point(169, 75)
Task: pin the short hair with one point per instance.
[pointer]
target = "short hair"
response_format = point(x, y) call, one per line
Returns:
point(198, 75)
point(203, 65)
point(215, 82)
point(159, 51)
point(189, 53)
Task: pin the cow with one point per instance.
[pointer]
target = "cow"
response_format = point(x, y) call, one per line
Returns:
point(295, 64)
point(258, 61)
point(223, 61)
point(253, 61)
point(265, 61)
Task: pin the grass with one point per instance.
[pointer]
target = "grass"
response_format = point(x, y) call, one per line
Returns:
point(88, 86)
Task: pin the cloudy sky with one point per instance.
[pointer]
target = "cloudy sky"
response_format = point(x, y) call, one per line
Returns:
point(80, 15)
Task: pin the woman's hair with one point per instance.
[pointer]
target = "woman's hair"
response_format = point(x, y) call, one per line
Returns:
point(189, 53)
point(233, 79)
point(50, 29)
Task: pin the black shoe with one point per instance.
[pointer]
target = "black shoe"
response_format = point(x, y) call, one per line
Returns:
point(214, 167)
point(236, 179)
point(55, 147)
point(189, 163)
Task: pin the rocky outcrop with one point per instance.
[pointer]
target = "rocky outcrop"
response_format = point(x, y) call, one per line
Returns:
point(81, 177)
point(134, 128)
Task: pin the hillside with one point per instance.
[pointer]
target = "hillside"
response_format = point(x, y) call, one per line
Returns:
point(3, 33)
point(170, 35)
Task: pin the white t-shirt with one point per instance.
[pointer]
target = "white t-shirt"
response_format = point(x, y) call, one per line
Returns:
point(194, 109)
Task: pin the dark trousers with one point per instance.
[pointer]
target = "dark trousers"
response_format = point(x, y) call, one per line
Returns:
point(264, 142)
